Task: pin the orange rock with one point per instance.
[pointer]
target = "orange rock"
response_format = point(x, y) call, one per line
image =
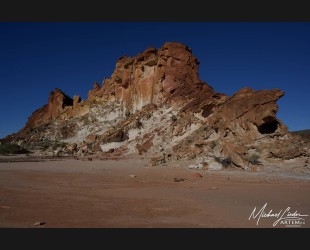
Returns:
point(57, 102)
point(166, 77)
point(197, 175)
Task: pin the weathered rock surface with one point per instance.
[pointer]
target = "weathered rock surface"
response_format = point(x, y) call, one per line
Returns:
point(57, 102)
point(155, 104)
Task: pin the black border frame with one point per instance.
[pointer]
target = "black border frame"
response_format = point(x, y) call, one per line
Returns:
point(136, 11)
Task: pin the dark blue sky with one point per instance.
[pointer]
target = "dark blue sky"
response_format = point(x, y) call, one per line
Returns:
point(37, 57)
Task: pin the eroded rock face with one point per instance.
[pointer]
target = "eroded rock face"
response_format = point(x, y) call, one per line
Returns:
point(249, 113)
point(155, 103)
point(95, 92)
point(57, 102)
point(169, 74)
point(76, 101)
point(154, 77)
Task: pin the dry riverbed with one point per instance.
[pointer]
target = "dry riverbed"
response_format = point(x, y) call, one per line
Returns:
point(129, 193)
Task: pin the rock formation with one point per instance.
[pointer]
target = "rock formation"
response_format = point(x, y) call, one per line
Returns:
point(155, 103)
point(57, 102)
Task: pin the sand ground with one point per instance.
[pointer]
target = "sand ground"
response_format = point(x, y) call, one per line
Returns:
point(70, 193)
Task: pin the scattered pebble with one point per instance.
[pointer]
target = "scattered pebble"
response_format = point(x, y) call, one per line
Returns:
point(178, 179)
point(132, 175)
point(38, 223)
point(212, 188)
point(197, 175)
point(195, 166)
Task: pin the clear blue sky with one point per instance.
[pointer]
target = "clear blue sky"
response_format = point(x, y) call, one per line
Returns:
point(37, 57)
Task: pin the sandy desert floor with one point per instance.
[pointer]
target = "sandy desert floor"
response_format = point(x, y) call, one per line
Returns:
point(129, 193)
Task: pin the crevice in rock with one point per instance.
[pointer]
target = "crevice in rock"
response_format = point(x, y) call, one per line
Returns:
point(207, 110)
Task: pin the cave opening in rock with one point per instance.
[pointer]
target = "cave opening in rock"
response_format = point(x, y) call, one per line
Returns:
point(268, 127)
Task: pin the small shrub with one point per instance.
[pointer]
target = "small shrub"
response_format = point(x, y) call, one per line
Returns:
point(12, 148)
point(254, 159)
point(127, 113)
point(139, 124)
point(59, 145)
point(42, 145)
point(225, 162)
point(173, 118)
point(213, 145)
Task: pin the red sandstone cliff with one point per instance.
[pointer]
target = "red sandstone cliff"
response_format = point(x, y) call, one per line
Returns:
point(155, 101)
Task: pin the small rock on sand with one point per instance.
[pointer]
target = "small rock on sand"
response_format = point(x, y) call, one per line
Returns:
point(195, 166)
point(38, 223)
point(178, 179)
point(132, 175)
point(197, 175)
